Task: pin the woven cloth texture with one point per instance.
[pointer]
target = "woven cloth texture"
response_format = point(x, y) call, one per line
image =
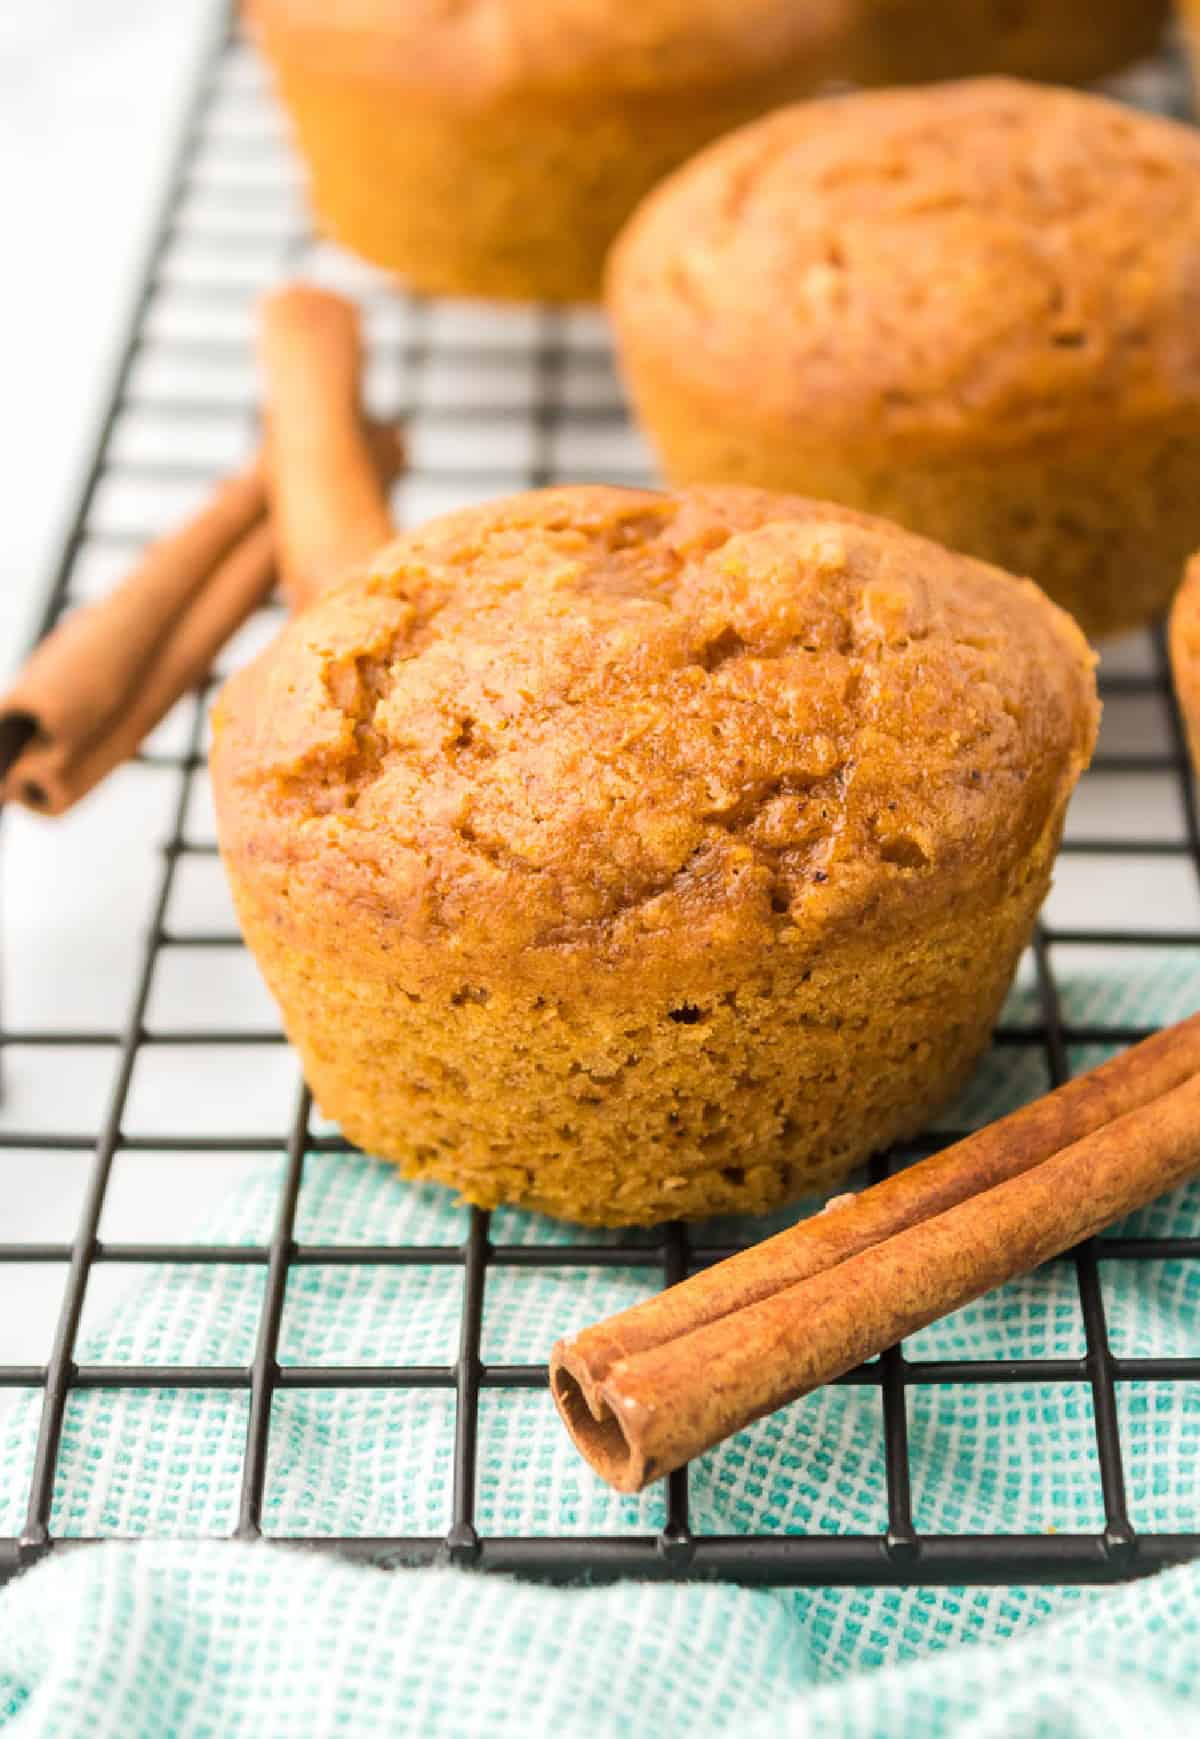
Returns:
point(187, 1634)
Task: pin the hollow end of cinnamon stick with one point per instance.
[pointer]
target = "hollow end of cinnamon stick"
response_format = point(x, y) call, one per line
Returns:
point(660, 1383)
point(597, 1429)
point(20, 731)
point(18, 727)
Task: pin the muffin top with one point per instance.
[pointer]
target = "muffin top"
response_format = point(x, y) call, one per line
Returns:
point(975, 262)
point(631, 724)
point(478, 46)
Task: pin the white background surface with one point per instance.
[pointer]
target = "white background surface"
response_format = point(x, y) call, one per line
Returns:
point(90, 96)
point(91, 93)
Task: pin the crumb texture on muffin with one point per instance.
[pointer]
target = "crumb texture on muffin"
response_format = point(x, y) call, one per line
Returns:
point(628, 854)
point(549, 729)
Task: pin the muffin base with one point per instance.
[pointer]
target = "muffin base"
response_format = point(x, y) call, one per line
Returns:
point(626, 1115)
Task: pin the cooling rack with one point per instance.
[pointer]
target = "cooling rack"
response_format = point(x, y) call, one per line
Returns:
point(498, 401)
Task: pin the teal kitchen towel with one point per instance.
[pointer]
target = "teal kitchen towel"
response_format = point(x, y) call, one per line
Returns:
point(174, 1636)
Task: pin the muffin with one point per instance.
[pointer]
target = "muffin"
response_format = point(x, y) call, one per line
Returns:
point(626, 855)
point(1184, 640)
point(1063, 41)
point(974, 308)
point(494, 147)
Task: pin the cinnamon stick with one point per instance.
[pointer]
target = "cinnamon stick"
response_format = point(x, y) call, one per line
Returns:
point(89, 671)
point(239, 584)
point(96, 687)
point(330, 513)
point(658, 1384)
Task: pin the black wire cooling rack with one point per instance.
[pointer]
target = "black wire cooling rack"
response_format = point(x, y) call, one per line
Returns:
point(496, 402)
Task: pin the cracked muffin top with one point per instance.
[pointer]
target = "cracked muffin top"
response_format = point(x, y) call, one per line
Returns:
point(985, 259)
point(607, 724)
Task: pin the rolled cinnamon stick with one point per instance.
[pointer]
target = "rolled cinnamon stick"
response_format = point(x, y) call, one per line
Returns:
point(238, 586)
point(96, 687)
point(86, 673)
point(329, 510)
point(659, 1384)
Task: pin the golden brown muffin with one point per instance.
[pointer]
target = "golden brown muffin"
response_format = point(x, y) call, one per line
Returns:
point(1185, 654)
point(974, 308)
point(1063, 41)
point(494, 147)
point(627, 855)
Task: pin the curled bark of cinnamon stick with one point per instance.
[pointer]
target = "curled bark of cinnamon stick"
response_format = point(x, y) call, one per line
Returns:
point(330, 512)
point(659, 1384)
point(99, 683)
point(239, 584)
point(91, 671)
point(96, 686)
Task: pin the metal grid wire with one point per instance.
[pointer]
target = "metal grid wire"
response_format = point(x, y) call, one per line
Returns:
point(498, 401)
